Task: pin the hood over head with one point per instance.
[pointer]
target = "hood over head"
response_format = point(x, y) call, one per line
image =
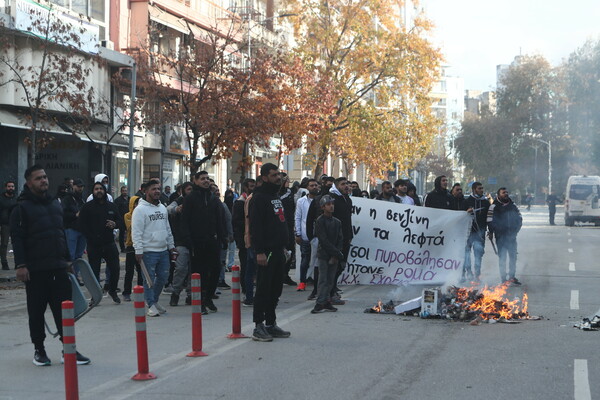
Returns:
point(438, 183)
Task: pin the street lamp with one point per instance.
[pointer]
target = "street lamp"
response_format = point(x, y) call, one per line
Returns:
point(549, 144)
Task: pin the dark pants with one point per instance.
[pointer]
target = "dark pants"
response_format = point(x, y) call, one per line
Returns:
point(250, 273)
point(552, 211)
point(110, 254)
point(206, 260)
point(341, 266)
point(122, 234)
point(326, 280)
point(304, 260)
point(243, 254)
point(507, 249)
point(4, 236)
point(46, 288)
point(269, 285)
point(131, 264)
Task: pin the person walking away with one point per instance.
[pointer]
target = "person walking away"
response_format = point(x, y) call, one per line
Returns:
point(98, 219)
point(505, 221)
point(401, 186)
point(182, 263)
point(387, 193)
point(8, 201)
point(72, 204)
point(439, 197)
point(204, 235)
point(552, 201)
point(152, 241)
point(331, 242)
point(238, 221)
point(476, 241)
point(269, 236)
point(122, 203)
point(131, 264)
point(42, 258)
point(302, 233)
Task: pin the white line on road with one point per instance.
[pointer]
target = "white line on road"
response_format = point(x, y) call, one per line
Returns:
point(571, 266)
point(574, 299)
point(570, 250)
point(581, 380)
point(570, 240)
point(568, 233)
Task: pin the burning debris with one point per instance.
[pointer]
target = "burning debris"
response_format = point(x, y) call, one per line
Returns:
point(463, 304)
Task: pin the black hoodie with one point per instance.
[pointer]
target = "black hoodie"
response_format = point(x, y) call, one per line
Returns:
point(36, 229)
point(268, 227)
point(93, 217)
point(438, 197)
point(202, 218)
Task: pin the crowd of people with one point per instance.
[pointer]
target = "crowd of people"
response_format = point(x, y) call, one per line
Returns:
point(166, 236)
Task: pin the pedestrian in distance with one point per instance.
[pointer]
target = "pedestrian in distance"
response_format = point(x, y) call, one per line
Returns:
point(42, 258)
point(153, 241)
point(98, 219)
point(331, 243)
point(8, 201)
point(269, 236)
point(478, 202)
point(552, 200)
point(505, 221)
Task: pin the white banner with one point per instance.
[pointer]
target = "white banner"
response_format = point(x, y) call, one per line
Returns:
point(397, 244)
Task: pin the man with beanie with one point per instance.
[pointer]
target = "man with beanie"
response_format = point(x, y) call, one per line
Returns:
point(269, 237)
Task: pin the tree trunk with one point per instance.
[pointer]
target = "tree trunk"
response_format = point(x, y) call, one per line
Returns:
point(321, 159)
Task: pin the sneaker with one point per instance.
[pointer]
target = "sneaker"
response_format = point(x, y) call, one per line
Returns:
point(337, 302)
point(211, 306)
point(260, 334)
point(514, 282)
point(160, 308)
point(312, 296)
point(167, 290)
point(174, 300)
point(153, 311)
point(126, 297)
point(81, 359)
point(319, 308)
point(203, 310)
point(41, 359)
point(188, 300)
point(289, 281)
point(277, 332)
point(329, 308)
point(301, 287)
point(104, 293)
point(115, 297)
point(223, 285)
point(248, 303)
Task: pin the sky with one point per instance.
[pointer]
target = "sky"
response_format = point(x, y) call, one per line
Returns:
point(477, 35)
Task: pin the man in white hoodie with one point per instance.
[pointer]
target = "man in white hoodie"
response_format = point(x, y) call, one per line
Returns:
point(152, 241)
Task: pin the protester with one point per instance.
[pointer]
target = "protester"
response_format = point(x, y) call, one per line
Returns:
point(42, 258)
point(182, 263)
point(301, 231)
point(122, 203)
point(204, 235)
point(228, 229)
point(164, 196)
point(343, 212)
point(331, 242)
point(289, 206)
point(152, 241)
point(505, 221)
point(439, 197)
point(176, 193)
point(229, 198)
point(131, 263)
point(374, 193)
point(552, 201)
point(401, 187)
point(103, 179)
point(411, 191)
point(238, 221)
point(72, 204)
point(458, 198)
point(387, 193)
point(8, 201)
point(480, 206)
point(269, 236)
point(327, 184)
point(302, 190)
point(98, 219)
point(364, 194)
point(251, 255)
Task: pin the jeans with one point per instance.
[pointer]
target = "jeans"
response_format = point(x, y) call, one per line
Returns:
point(76, 243)
point(157, 264)
point(305, 250)
point(243, 255)
point(5, 235)
point(476, 240)
point(46, 288)
point(249, 274)
point(131, 265)
point(231, 254)
point(326, 283)
point(507, 247)
point(269, 285)
point(182, 270)
point(111, 255)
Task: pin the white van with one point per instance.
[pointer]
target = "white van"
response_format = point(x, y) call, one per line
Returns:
point(581, 202)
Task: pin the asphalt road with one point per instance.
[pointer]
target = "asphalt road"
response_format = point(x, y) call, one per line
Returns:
point(348, 354)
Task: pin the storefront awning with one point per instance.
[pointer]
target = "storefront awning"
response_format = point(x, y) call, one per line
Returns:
point(11, 119)
point(99, 135)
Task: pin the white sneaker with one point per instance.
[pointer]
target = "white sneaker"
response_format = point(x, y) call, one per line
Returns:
point(153, 311)
point(160, 308)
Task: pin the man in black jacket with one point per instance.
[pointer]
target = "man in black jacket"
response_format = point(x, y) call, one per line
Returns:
point(289, 207)
point(98, 219)
point(42, 258)
point(238, 221)
point(182, 263)
point(8, 201)
point(122, 203)
point(342, 211)
point(439, 197)
point(269, 236)
point(458, 198)
point(72, 204)
point(505, 221)
point(203, 234)
point(478, 202)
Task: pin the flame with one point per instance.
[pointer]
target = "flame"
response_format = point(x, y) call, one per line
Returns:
point(493, 304)
point(378, 307)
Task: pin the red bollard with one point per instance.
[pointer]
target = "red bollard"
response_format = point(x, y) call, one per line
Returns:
point(196, 318)
point(140, 336)
point(69, 351)
point(236, 305)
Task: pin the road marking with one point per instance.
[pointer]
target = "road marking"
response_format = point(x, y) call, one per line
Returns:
point(568, 233)
point(570, 240)
point(571, 266)
point(570, 250)
point(581, 380)
point(574, 299)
